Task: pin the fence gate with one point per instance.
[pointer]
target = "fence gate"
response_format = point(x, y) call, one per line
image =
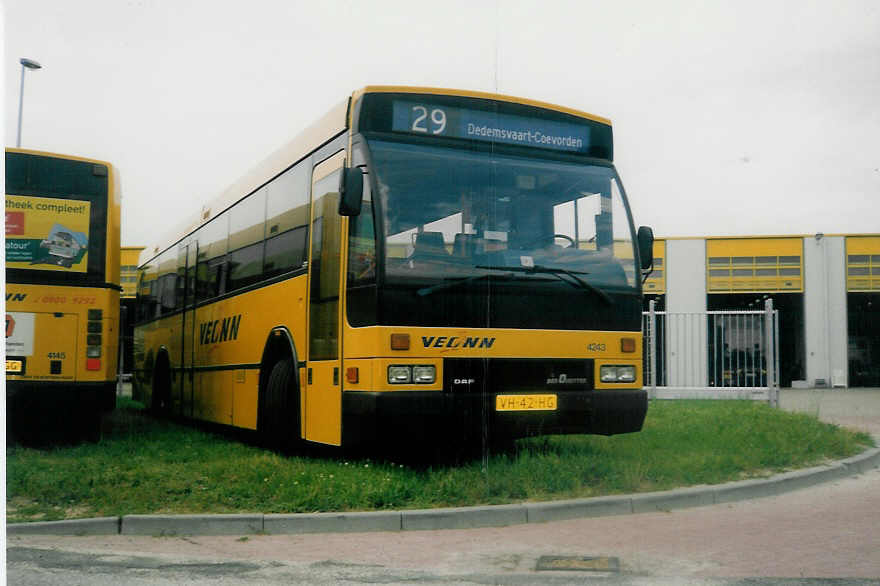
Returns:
point(712, 354)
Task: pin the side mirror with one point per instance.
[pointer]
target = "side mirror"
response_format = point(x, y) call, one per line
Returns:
point(646, 247)
point(351, 191)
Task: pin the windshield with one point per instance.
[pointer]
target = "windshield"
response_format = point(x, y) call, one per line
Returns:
point(470, 238)
point(450, 214)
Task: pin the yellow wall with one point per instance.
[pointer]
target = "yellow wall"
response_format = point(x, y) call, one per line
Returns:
point(743, 265)
point(863, 263)
point(128, 269)
point(656, 282)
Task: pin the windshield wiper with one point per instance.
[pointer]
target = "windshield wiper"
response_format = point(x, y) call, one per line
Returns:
point(455, 283)
point(561, 274)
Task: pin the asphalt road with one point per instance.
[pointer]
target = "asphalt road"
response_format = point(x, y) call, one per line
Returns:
point(823, 534)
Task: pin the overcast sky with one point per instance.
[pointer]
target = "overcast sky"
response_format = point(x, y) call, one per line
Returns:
point(730, 118)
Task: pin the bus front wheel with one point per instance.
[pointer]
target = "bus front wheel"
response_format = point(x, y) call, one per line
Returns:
point(279, 422)
point(160, 403)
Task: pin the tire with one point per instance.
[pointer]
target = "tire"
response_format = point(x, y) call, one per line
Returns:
point(279, 420)
point(160, 402)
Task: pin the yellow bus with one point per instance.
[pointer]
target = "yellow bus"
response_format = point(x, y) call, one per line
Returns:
point(419, 264)
point(62, 290)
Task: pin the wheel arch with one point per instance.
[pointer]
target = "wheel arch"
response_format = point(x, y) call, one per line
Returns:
point(162, 361)
point(163, 358)
point(278, 346)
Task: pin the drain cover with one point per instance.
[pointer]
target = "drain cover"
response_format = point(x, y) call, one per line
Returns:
point(578, 563)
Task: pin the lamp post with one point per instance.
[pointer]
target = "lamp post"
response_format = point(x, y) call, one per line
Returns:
point(25, 64)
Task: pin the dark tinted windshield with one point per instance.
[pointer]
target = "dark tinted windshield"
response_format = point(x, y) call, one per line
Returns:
point(450, 213)
point(481, 239)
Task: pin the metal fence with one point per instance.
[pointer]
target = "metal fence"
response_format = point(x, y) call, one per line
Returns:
point(712, 354)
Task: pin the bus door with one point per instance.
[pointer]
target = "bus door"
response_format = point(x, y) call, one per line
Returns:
point(323, 390)
point(187, 255)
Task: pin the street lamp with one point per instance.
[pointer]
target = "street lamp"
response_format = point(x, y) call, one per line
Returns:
point(25, 64)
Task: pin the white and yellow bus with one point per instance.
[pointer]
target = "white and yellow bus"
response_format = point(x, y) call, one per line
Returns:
point(62, 290)
point(420, 264)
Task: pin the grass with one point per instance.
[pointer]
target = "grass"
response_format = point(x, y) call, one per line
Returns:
point(143, 465)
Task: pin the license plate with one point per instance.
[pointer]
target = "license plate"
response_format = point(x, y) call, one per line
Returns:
point(525, 403)
point(14, 366)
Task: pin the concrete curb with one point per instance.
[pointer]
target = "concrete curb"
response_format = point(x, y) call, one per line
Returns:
point(455, 518)
point(191, 524)
point(464, 517)
point(280, 524)
point(97, 526)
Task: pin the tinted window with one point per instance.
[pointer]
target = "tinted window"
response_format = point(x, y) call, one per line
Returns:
point(362, 243)
point(324, 283)
point(287, 219)
point(73, 250)
point(212, 257)
point(147, 300)
point(246, 233)
point(167, 282)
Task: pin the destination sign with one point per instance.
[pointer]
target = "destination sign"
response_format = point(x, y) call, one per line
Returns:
point(429, 119)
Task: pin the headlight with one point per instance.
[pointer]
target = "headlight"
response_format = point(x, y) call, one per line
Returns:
point(626, 374)
point(617, 374)
point(399, 375)
point(424, 374)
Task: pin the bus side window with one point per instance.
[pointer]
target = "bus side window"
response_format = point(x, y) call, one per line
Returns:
point(146, 299)
point(287, 221)
point(180, 291)
point(167, 281)
point(362, 243)
point(246, 235)
point(153, 300)
point(212, 257)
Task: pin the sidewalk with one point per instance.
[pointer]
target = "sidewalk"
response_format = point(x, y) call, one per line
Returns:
point(853, 408)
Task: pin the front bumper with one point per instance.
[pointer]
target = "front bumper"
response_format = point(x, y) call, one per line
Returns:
point(424, 415)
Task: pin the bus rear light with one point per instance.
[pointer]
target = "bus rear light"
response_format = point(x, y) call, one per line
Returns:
point(627, 344)
point(351, 375)
point(93, 352)
point(400, 341)
point(93, 364)
point(94, 327)
point(96, 315)
point(93, 339)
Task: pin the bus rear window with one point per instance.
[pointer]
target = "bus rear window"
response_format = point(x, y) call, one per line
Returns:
point(56, 218)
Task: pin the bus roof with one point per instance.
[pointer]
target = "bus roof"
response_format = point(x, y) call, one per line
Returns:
point(385, 89)
point(58, 156)
point(330, 125)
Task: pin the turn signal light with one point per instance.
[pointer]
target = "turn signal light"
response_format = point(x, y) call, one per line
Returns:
point(627, 344)
point(351, 375)
point(400, 341)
